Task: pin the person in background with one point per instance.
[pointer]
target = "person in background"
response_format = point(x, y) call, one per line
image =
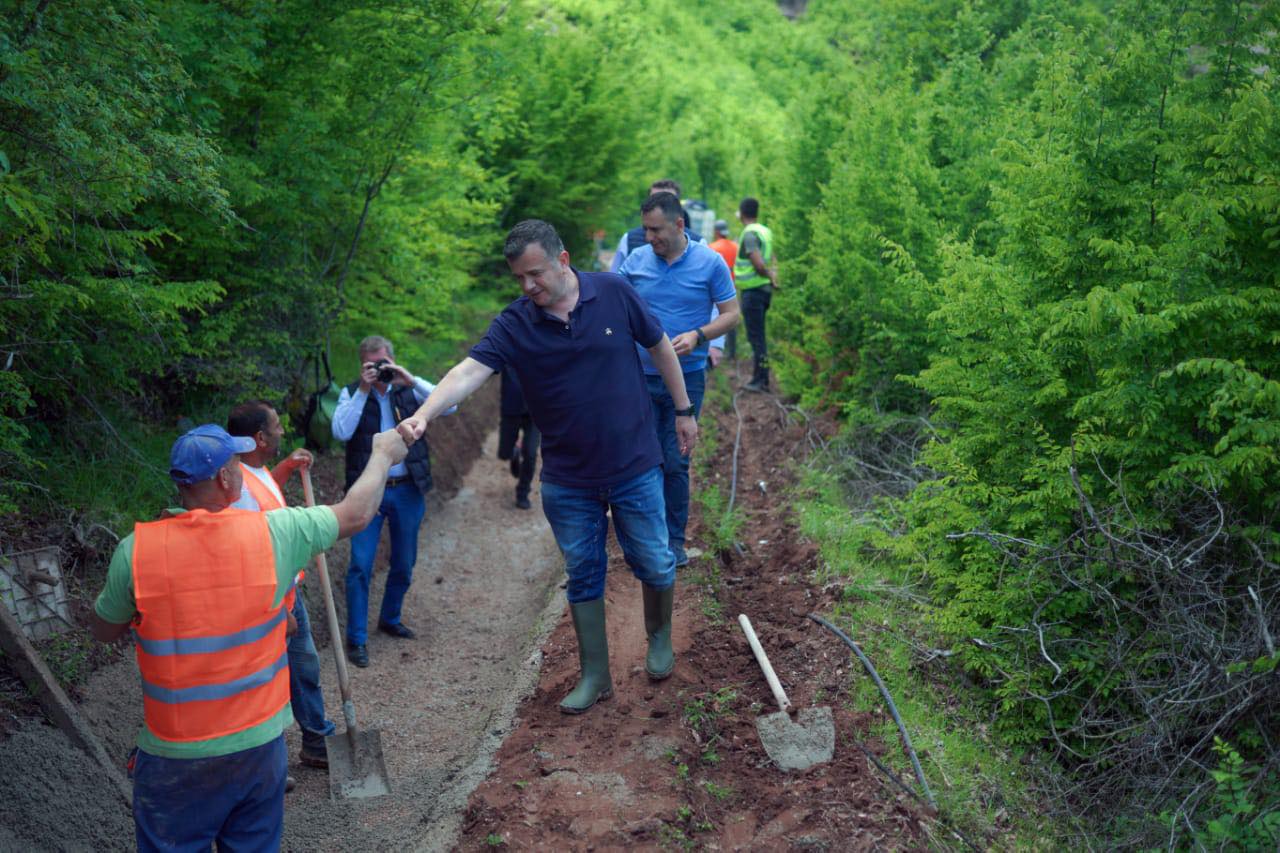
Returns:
point(635, 238)
point(518, 437)
point(571, 341)
point(204, 590)
point(385, 394)
point(682, 282)
point(756, 276)
point(724, 246)
point(262, 491)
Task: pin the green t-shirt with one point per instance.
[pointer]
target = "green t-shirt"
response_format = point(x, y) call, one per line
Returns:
point(297, 535)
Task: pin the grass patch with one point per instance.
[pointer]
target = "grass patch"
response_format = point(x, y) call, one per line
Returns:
point(980, 783)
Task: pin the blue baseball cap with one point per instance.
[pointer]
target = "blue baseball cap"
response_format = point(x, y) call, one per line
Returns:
point(201, 453)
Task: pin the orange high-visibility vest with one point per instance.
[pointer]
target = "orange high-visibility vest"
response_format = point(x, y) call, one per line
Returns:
point(211, 640)
point(268, 501)
point(266, 498)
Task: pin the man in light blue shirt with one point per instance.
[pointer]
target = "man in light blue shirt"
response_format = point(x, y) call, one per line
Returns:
point(682, 281)
point(384, 395)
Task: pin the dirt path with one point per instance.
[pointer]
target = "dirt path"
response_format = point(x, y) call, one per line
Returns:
point(486, 584)
point(678, 765)
point(479, 755)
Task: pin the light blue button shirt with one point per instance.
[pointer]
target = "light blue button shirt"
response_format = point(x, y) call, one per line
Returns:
point(680, 294)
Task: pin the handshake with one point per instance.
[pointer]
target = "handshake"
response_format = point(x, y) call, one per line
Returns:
point(392, 445)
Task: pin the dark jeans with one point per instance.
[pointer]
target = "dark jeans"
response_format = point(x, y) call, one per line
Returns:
point(508, 431)
point(755, 305)
point(304, 683)
point(675, 467)
point(403, 506)
point(188, 804)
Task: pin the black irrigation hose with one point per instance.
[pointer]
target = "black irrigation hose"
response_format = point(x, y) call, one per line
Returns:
point(884, 691)
point(737, 444)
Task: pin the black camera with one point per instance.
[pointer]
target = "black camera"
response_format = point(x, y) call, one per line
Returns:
point(385, 374)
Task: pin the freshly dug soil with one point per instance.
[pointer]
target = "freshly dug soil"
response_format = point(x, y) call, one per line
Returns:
point(679, 763)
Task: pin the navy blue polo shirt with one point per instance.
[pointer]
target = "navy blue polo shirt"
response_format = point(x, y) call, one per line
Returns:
point(582, 380)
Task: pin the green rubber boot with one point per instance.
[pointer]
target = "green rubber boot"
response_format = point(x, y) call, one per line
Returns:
point(660, 660)
point(593, 657)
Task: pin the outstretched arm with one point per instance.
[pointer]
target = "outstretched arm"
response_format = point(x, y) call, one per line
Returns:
point(457, 385)
point(356, 510)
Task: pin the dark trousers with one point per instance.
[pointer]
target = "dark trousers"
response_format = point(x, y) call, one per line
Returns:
point(508, 431)
point(235, 801)
point(755, 305)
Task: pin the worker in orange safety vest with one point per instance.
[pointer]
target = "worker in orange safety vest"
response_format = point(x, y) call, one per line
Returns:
point(204, 591)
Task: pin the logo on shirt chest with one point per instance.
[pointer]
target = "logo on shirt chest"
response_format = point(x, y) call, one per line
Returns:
point(608, 331)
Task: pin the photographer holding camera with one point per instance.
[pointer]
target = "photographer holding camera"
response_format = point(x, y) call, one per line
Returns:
point(384, 395)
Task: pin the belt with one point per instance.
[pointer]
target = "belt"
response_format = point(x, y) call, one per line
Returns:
point(398, 481)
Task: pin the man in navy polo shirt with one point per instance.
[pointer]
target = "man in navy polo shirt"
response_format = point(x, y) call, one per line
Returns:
point(681, 281)
point(571, 340)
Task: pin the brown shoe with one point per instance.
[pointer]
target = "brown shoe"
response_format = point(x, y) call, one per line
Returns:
point(318, 760)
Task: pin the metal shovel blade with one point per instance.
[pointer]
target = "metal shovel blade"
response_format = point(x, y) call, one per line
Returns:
point(800, 743)
point(356, 770)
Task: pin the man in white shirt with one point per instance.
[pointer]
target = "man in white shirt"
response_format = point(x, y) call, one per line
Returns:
point(384, 395)
point(262, 492)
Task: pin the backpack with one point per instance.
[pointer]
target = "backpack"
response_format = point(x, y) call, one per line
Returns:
point(317, 419)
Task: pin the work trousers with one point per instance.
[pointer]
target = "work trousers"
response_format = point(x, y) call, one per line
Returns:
point(187, 804)
point(755, 305)
point(305, 695)
point(511, 428)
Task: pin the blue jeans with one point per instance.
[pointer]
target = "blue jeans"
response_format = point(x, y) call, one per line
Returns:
point(304, 683)
point(675, 466)
point(403, 506)
point(578, 521)
point(187, 804)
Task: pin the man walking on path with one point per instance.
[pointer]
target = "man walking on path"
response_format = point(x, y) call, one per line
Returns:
point(725, 247)
point(384, 394)
point(682, 282)
point(635, 238)
point(204, 591)
point(262, 492)
point(756, 278)
point(571, 340)
point(518, 438)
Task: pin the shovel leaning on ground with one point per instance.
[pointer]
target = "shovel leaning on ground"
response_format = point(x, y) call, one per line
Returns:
point(793, 744)
point(356, 767)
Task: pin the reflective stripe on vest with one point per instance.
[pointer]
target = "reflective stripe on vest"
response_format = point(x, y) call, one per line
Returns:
point(744, 272)
point(211, 639)
point(266, 498)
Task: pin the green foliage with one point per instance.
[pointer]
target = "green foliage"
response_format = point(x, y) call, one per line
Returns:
point(1246, 813)
point(1054, 226)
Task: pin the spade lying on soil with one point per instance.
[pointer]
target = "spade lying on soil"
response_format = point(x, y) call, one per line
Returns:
point(793, 744)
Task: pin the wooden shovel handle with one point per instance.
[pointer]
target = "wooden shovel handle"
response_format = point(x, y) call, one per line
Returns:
point(779, 695)
point(331, 612)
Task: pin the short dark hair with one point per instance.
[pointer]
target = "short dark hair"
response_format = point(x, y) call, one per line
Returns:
point(249, 418)
point(532, 231)
point(666, 185)
point(749, 207)
point(667, 203)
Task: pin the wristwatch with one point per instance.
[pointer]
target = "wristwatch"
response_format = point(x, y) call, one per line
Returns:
point(685, 413)
point(702, 336)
